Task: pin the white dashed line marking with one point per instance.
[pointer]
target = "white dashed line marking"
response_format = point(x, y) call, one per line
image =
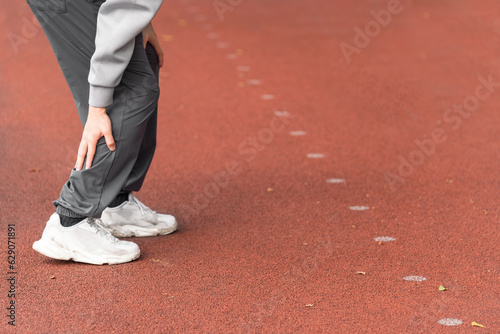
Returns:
point(200, 18)
point(281, 113)
point(414, 278)
point(315, 155)
point(192, 9)
point(267, 97)
point(335, 180)
point(243, 68)
point(213, 35)
point(359, 208)
point(254, 82)
point(450, 322)
point(297, 133)
point(384, 239)
point(222, 45)
point(232, 56)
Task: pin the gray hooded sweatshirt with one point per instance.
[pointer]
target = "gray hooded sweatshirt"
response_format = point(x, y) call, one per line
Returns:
point(118, 23)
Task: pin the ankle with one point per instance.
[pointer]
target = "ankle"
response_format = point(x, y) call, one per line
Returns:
point(67, 217)
point(121, 198)
point(69, 221)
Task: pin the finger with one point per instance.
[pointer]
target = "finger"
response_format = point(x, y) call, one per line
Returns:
point(82, 150)
point(160, 60)
point(159, 52)
point(110, 141)
point(90, 154)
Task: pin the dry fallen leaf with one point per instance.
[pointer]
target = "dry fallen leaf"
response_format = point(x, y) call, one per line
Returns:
point(34, 170)
point(442, 288)
point(52, 277)
point(270, 190)
point(310, 305)
point(360, 273)
point(477, 325)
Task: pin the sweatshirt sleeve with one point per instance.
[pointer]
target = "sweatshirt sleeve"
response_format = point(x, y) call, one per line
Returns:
point(118, 23)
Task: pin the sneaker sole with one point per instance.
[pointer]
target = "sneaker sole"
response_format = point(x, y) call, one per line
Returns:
point(53, 250)
point(138, 232)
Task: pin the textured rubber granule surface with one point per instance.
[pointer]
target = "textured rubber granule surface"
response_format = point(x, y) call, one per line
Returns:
point(326, 180)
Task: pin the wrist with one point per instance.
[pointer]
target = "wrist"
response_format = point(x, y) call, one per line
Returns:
point(97, 110)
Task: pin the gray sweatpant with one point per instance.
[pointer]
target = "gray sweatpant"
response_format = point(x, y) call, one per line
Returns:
point(70, 26)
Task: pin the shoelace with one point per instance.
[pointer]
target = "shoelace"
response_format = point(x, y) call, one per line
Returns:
point(100, 230)
point(144, 209)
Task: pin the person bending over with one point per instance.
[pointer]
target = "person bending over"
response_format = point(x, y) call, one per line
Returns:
point(110, 57)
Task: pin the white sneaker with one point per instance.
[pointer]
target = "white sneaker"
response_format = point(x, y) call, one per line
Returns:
point(133, 218)
point(84, 242)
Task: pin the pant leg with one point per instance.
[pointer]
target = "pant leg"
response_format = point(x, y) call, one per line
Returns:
point(71, 33)
point(148, 145)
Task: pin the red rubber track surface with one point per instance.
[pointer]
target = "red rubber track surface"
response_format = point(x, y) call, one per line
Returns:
point(275, 248)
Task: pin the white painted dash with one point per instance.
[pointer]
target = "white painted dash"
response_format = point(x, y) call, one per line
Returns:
point(213, 35)
point(315, 155)
point(192, 9)
point(200, 18)
point(450, 322)
point(282, 113)
point(222, 45)
point(298, 133)
point(267, 97)
point(243, 68)
point(414, 278)
point(384, 239)
point(254, 82)
point(359, 208)
point(335, 180)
